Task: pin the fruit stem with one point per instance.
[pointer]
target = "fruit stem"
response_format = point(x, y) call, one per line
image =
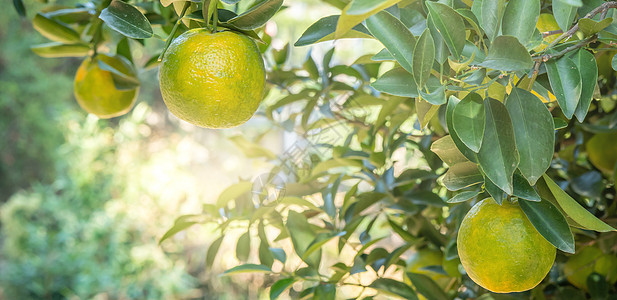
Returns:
point(173, 30)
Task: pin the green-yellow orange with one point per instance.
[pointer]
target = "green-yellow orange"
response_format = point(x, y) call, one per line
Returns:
point(588, 260)
point(212, 80)
point(501, 250)
point(95, 90)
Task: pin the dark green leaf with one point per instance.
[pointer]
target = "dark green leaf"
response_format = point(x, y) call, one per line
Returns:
point(498, 155)
point(436, 92)
point(19, 7)
point(56, 49)
point(574, 210)
point(507, 54)
point(425, 198)
point(247, 268)
point(423, 57)
point(491, 15)
point(393, 34)
point(122, 80)
point(523, 189)
point(397, 82)
point(279, 254)
point(565, 79)
point(468, 120)
point(586, 63)
point(452, 103)
point(550, 223)
point(394, 287)
point(280, 286)
point(427, 287)
point(520, 18)
point(564, 14)
point(493, 190)
point(127, 20)
point(450, 25)
point(534, 133)
point(325, 291)
point(257, 16)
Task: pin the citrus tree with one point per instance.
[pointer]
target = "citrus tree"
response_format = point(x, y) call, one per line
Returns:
point(476, 152)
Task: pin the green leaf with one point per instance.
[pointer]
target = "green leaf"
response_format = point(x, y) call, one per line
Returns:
point(534, 133)
point(520, 18)
point(427, 287)
point(450, 26)
point(507, 54)
point(396, 82)
point(127, 20)
point(574, 210)
point(395, 36)
point(498, 155)
point(382, 55)
point(323, 30)
point(325, 291)
point(441, 49)
point(394, 287)
point(614, 62)
point(280, 286)
point(180, 224)
point(447, 151)
point(56, 49)
point(464, 196)
point(468, 120)
point(564, 14)
point(560, 123)
point(213, 250)
point(320, 240)
point(452, 103)
point(436, 92)
point(550, 223)
point(491, 15)
point(302, 234)
point(586, 63)
point(55, 30)
point(565, 79)
point(462, 175)
point(243, 248)
point(247, 268)
point(19, 7)
point(590, 27)
point(359, 10)
point(494, 191)
point(425, 111)
point(257, 16)
point(523, 189)
point(122, 80)
point(279, 254)
point(232, 192)
point(423, 57)
point(424, 198)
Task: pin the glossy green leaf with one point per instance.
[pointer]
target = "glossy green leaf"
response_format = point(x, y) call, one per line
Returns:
point(452, 103)
point(468, 120)
point(427, 287)
point(464, 196)
point(560, 123)
point(302, 234)
point(55, 30)
point(550, 223)
point(247, 268)
point(574, 210)
point(323, 30)
point(423, 58)
point(280, 286)
point(507, 54)
point(382, 55)
point(19, 7)
point(127, 20)
point(534, 133)
point(493, 190)
point(520, 18)
point(565, 79)
point(394, 287)
point(588, 67)
point(491, 15)
point(243, 247)
point(393, 34)
point(257, 16)
point(397, 82)
point(56, 49)
point(462, 175)
point(450, 25)
point(498, 155)
point(446, 149)
point(523, 189)
point(564, 14)
point(359, 10)
point(213, 250)
point(441, 49)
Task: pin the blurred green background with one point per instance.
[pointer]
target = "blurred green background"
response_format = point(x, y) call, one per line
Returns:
point(84, 201)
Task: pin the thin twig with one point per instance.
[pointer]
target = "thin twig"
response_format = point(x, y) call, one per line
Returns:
point(581, 44)
point(552, 32)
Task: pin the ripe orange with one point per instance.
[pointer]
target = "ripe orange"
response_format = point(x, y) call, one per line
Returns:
point(212, 80)
point(501, 250)
point(95, 90)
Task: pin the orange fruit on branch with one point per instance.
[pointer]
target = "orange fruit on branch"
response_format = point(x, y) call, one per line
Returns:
point(212, 80)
